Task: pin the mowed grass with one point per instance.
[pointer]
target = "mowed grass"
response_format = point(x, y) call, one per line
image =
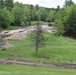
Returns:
point(58, 49)
point(35, 22)
point(41, 22)
point(30, 70)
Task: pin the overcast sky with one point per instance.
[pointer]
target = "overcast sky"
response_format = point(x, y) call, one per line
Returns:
point(45, 3)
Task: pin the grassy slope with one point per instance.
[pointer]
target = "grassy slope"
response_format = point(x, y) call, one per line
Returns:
point(59, 49)
point(29, 70)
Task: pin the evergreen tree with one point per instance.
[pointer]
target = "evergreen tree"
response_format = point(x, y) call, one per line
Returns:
point(37, 37)
point(32, 12)
point(28, 15)
point(68, 3)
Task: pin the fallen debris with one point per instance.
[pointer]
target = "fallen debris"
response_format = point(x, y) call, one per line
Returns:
point(4, 44)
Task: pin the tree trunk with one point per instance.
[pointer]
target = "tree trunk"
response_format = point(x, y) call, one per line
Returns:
point(36, 49)
point(36, 46)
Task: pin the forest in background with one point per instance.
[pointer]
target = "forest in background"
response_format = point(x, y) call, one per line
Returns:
point(18, 14)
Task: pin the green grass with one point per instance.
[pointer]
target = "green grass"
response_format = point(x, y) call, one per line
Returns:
point(13, 27)
point(35, 22)
point(60, 50)
point(29, 70)
point(9, 28)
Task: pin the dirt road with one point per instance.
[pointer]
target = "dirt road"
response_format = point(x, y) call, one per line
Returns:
point(19, 62)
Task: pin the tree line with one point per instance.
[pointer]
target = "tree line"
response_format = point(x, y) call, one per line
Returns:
point(22, 14)
point(18, 14)
point(66, 21)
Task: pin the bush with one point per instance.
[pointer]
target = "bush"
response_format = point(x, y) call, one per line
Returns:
point(5, 18)
point(66, 22)
point(22, 24)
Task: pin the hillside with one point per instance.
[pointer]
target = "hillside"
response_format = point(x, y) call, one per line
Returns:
point(58, 49)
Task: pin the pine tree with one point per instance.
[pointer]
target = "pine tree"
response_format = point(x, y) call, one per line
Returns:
point(68, 3)
point(37, 37)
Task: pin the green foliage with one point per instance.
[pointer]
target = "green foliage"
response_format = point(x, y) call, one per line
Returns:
point(51, 16)
point(19, 14)
point(37, 37)
point(6, 3)
point(22, 24)
point(67, 19)
point(43, 14)
point(25, 13)
point(32, 14)
point(1, 3)
point(9, 4)
point(60, 22)
point(68, 3)
point(6, 18)
point(60, 27)
point(70, 23)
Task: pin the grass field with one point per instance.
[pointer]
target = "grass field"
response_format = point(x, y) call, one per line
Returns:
point(10, 28)
point(29, 70)
point(41, 22)
point(35, 22)
point(58, 49)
